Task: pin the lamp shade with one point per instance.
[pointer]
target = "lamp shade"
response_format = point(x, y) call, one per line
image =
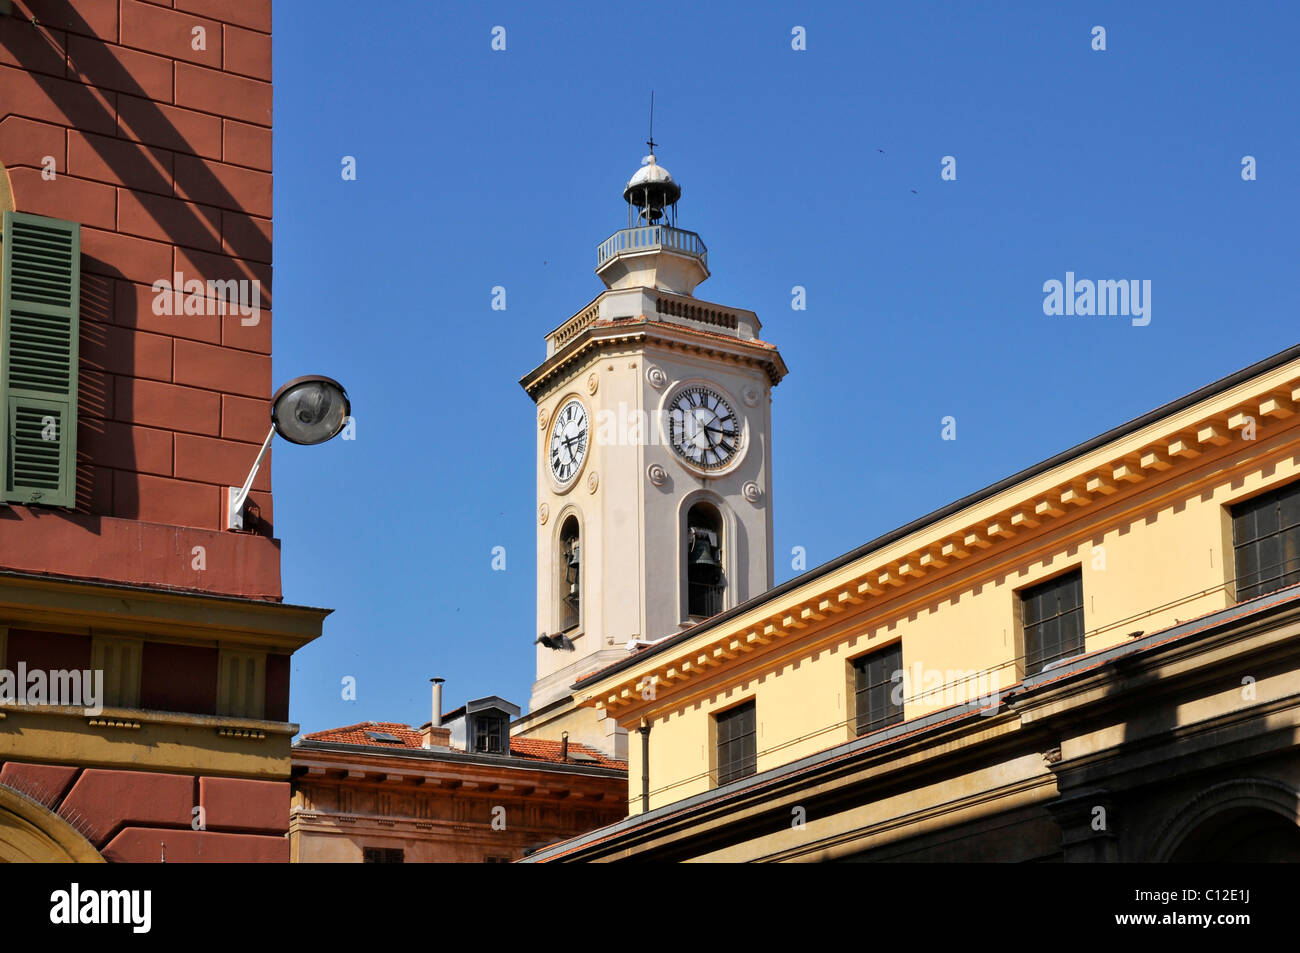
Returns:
point(310, 410)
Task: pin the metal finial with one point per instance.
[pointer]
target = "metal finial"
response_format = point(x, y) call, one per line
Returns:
point(651, 141)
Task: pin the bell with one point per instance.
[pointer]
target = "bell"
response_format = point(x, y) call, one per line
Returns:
point(703, 559)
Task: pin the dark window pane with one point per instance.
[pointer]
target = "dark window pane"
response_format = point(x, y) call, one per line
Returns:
point(1266, 538)
point(875, 683)
point(1053, 620)
point(737, 743)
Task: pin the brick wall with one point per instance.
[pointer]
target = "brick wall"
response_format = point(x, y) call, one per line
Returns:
point(155, 117)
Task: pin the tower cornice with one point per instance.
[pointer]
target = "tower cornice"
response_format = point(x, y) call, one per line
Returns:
point(604, 335)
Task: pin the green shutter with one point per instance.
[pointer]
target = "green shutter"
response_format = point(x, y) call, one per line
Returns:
point(40, 299)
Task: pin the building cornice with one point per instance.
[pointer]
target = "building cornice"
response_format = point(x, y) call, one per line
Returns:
point(604, 336)
point(1180, 446)
point(327, 760)
point(188, 616)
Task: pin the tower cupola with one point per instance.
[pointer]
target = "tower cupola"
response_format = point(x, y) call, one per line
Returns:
point(652, 252)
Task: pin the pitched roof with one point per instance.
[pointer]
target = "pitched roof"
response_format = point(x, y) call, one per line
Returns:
point(529, 749)
point(541, 749)
point(407, 737)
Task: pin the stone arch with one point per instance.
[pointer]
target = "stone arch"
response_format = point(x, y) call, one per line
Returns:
point(32, 833)
point(1247, 809)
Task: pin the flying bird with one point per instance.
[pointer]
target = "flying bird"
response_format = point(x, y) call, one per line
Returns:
point(560, 641)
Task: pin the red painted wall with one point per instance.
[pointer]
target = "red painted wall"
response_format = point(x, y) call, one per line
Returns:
point(130, 815)
point(156, 118)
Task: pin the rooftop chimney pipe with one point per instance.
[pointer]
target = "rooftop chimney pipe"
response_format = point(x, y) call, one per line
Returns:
point(436, 720)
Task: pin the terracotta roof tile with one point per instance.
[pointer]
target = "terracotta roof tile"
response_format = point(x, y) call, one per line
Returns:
point(529, 749)
point(407, 736)
point(540, 749)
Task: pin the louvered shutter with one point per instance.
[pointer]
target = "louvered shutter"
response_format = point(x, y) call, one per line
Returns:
point(40, 299)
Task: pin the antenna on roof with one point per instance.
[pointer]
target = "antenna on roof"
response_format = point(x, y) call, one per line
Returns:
point(651, 141)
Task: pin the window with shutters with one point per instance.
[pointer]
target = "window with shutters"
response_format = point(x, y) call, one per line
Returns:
point(876, 689)
point(737, 742)
point(1052, 621)
point(241, 683)
point(1266, 540)
point(40, 299)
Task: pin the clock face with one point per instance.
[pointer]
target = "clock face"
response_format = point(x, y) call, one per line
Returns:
point(703, 428)
point(568, 446)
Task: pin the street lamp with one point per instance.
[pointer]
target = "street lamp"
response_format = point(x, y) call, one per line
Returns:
point(306, 411)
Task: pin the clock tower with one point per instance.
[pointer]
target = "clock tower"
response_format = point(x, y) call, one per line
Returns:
point(654, 460)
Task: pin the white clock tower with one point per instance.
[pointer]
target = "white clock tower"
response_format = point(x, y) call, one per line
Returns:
point(654, 460)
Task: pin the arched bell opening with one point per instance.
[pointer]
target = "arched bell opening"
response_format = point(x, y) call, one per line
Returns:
point(568, 574)
point(706, 581)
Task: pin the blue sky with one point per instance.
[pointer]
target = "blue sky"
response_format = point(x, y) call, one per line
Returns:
point(478, 168)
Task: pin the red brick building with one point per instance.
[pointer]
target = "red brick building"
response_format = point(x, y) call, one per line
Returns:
point(459, 792)
point(135, 161)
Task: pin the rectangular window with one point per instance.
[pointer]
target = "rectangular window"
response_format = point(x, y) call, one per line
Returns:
point(1052, 620)
point(1266, 539)
point(487, 735)
point(383, 855)
point(737, 743)
point(875, 704)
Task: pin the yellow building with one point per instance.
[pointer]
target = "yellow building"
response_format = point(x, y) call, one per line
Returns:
point(1095, 658)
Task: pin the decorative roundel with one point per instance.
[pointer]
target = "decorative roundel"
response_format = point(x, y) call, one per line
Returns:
point(752, 492)
point(656, 474)
point(750, 395)
point(593, 382)
point(541, 418)
point(543, 514)
point(567, 448)
point(703, 428)
point(656, 376)
point(593, 481)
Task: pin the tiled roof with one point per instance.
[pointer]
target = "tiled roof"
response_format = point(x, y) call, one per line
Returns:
point(540, 749)
point(407, 736)
point(529, 749)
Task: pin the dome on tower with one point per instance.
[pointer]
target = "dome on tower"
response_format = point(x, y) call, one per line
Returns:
point(652, 188)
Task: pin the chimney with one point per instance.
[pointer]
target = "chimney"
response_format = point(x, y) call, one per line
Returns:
point(436, 721)
point(436, 736)
point(564, 746)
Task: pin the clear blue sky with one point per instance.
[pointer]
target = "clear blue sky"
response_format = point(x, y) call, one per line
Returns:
point(478, 168)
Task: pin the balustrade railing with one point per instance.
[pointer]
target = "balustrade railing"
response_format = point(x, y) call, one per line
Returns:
point(647, 237)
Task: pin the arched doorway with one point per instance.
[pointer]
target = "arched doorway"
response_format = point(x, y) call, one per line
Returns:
point(1241, 835)
point(32, 833)
point(1251, 820)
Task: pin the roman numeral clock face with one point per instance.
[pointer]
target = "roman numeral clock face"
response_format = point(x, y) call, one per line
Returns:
point(703, 428)
point(568, 445)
